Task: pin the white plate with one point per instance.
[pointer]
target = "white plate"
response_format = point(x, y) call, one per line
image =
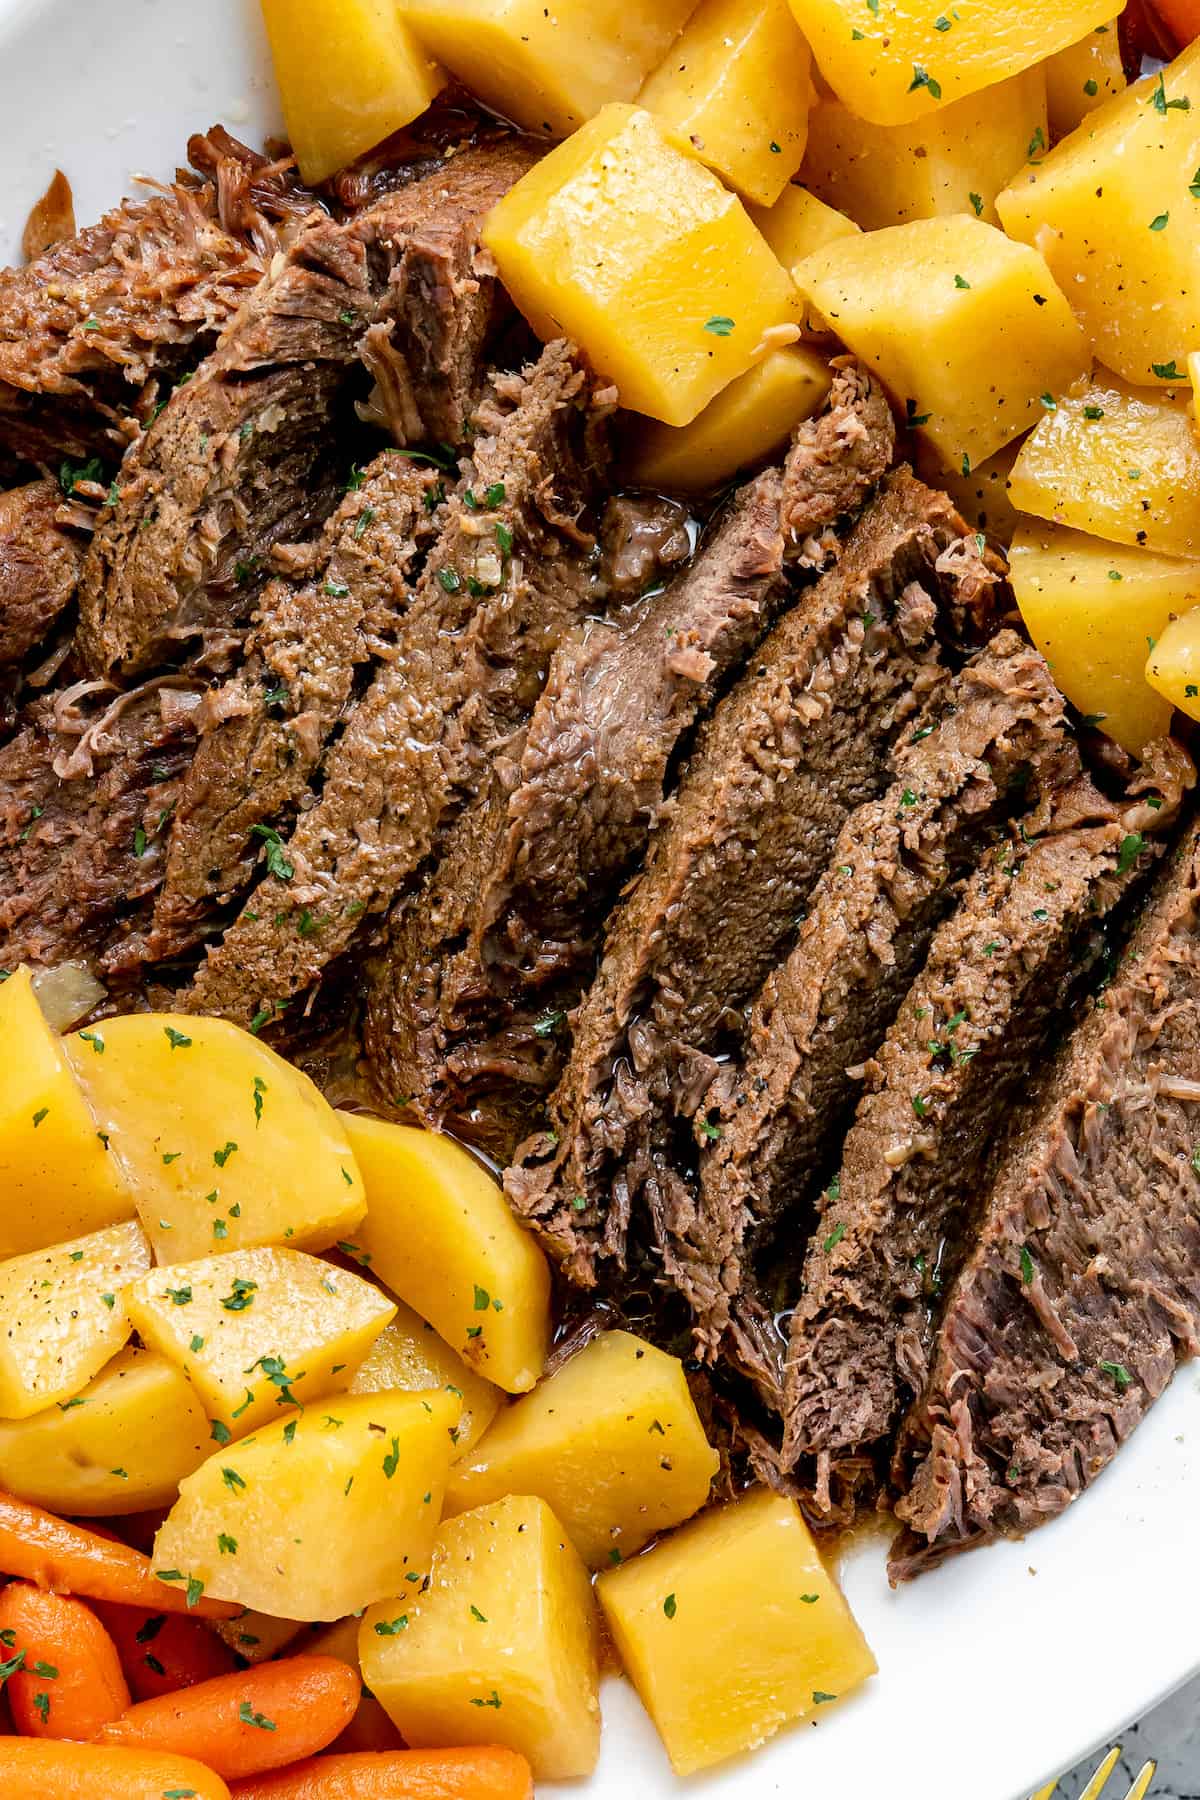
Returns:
point(1002, 1668)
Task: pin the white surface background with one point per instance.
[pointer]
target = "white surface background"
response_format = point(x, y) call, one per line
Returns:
point(1002, 1668)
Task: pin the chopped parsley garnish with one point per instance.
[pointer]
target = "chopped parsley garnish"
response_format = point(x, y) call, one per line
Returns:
point(1026, 1266)
point(1167, 371)
point(977, 202)
point(232, 1480)
point(669, 1606)
point(277, 861)
point(242, 1295)
point(260, 1721)
point(391, 1627)
point(222, 1156)
point(482, 1299)
point(1159, 222)
point(225, 1544)
point(1131, 847)
point(923, 79)
point(180, 1296)
point(391, 1461)
point(178, 1040)
point(95, 1040)
point(719, 325)
point(493, 1701)
point(1120, 1374)
point(835, 1237)
point(546, 1025)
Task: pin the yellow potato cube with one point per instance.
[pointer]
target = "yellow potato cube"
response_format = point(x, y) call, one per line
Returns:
point(350, 72)
point(260, 1330)
point(955, 160)
point(1093, 610)
point(899, 62)
point(981, 495)
point(918, 303)
point(622, 241)
point(56, 1175)
point(123, 1447)
point(612, 1442)
point(733, 1628)
point(1173, 666)
point(798, 223)
point(1119, 462)
point(317, 1515)
point(548, 68)
point(409, 1354)
point(439, 1232)
point(1082, 77)
point(1112, 211)
point(754, 416)
point(501, 1648)
point(258, 1636)
point(737, 85)
point(207, 1124)
point(64, 1314)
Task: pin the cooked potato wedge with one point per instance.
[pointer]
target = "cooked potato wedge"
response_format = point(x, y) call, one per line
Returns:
point(611, 1441)
point(64, 1313)
point(736, 84)
point(1095, 610)
point(1082, 77)
point(500, 1648)
point(320, 1514)
point(438, 1231)
point(259, 1330)
point(754, 416)
point(1112, 211)
point(624, 241)
point(410, 1355)
point(732, 1628)
point(123, 1446)
point(56, 1174)
point(918, 301)
point(208, 1126)
point(1173, 666)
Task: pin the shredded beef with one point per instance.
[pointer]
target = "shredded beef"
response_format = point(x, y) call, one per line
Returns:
point(1002, 972)
point(799, 742)
point(228, 467)
point(472, 997)
point(1082, 1289)
point(838, 456)
point(510, 572)
point(39, 568)
point(992, 736)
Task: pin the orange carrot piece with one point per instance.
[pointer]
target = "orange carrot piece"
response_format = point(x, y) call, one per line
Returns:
point(69, 1683)
point(163, 1652)
point(1182, 19)
point(46, 1771)
point(39, 1547)
point(477, 1774)
point(248, 1723)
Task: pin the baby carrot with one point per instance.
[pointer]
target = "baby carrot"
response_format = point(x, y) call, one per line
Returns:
point(247, 1723)
point(46, 1771)
point(52, 1553)
point(163, 1652)
point(69, 1682)
point(477, 1774)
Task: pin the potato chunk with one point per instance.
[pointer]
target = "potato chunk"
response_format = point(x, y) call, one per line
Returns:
point(896, 63)
point(1094, 609)
point(1173, 666)
point(955, 160)
point(920, 302)
point(981, 495)
point(733, 1628)
point(1112, 211)
point(621, 240)
point(318, 1515)
point(1082, 77)
point(798, 223)
point(439, 1233)
point(755, 415)
point(350, 72)
point(259, 1330)
point(409, 1354)
point(208, 1125)
point(548, 68)
point(737, 85)
point(500, 1649)
point(56, 1175)
point(1119, 462)
point(64, 1314)
point(133, 1435)
point(611, 1441)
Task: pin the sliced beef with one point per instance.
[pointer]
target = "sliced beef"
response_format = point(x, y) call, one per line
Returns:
point(227, 468)
point(1082, 1290)
point(108, 318)
point(39, 568)
point(1001, 973)
point(800, 741)
point(480, 972)
point(837, 457)
point(264, 732)
point(510, 572)
point(993, 735)
point(84, 802)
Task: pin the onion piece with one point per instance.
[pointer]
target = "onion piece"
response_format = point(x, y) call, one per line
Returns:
point(67, 993)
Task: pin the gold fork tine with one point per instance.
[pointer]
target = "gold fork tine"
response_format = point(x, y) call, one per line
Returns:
point(1142, 1783)
point(1097, 1784)
point(1099, 1781)
point(1047, 1793)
